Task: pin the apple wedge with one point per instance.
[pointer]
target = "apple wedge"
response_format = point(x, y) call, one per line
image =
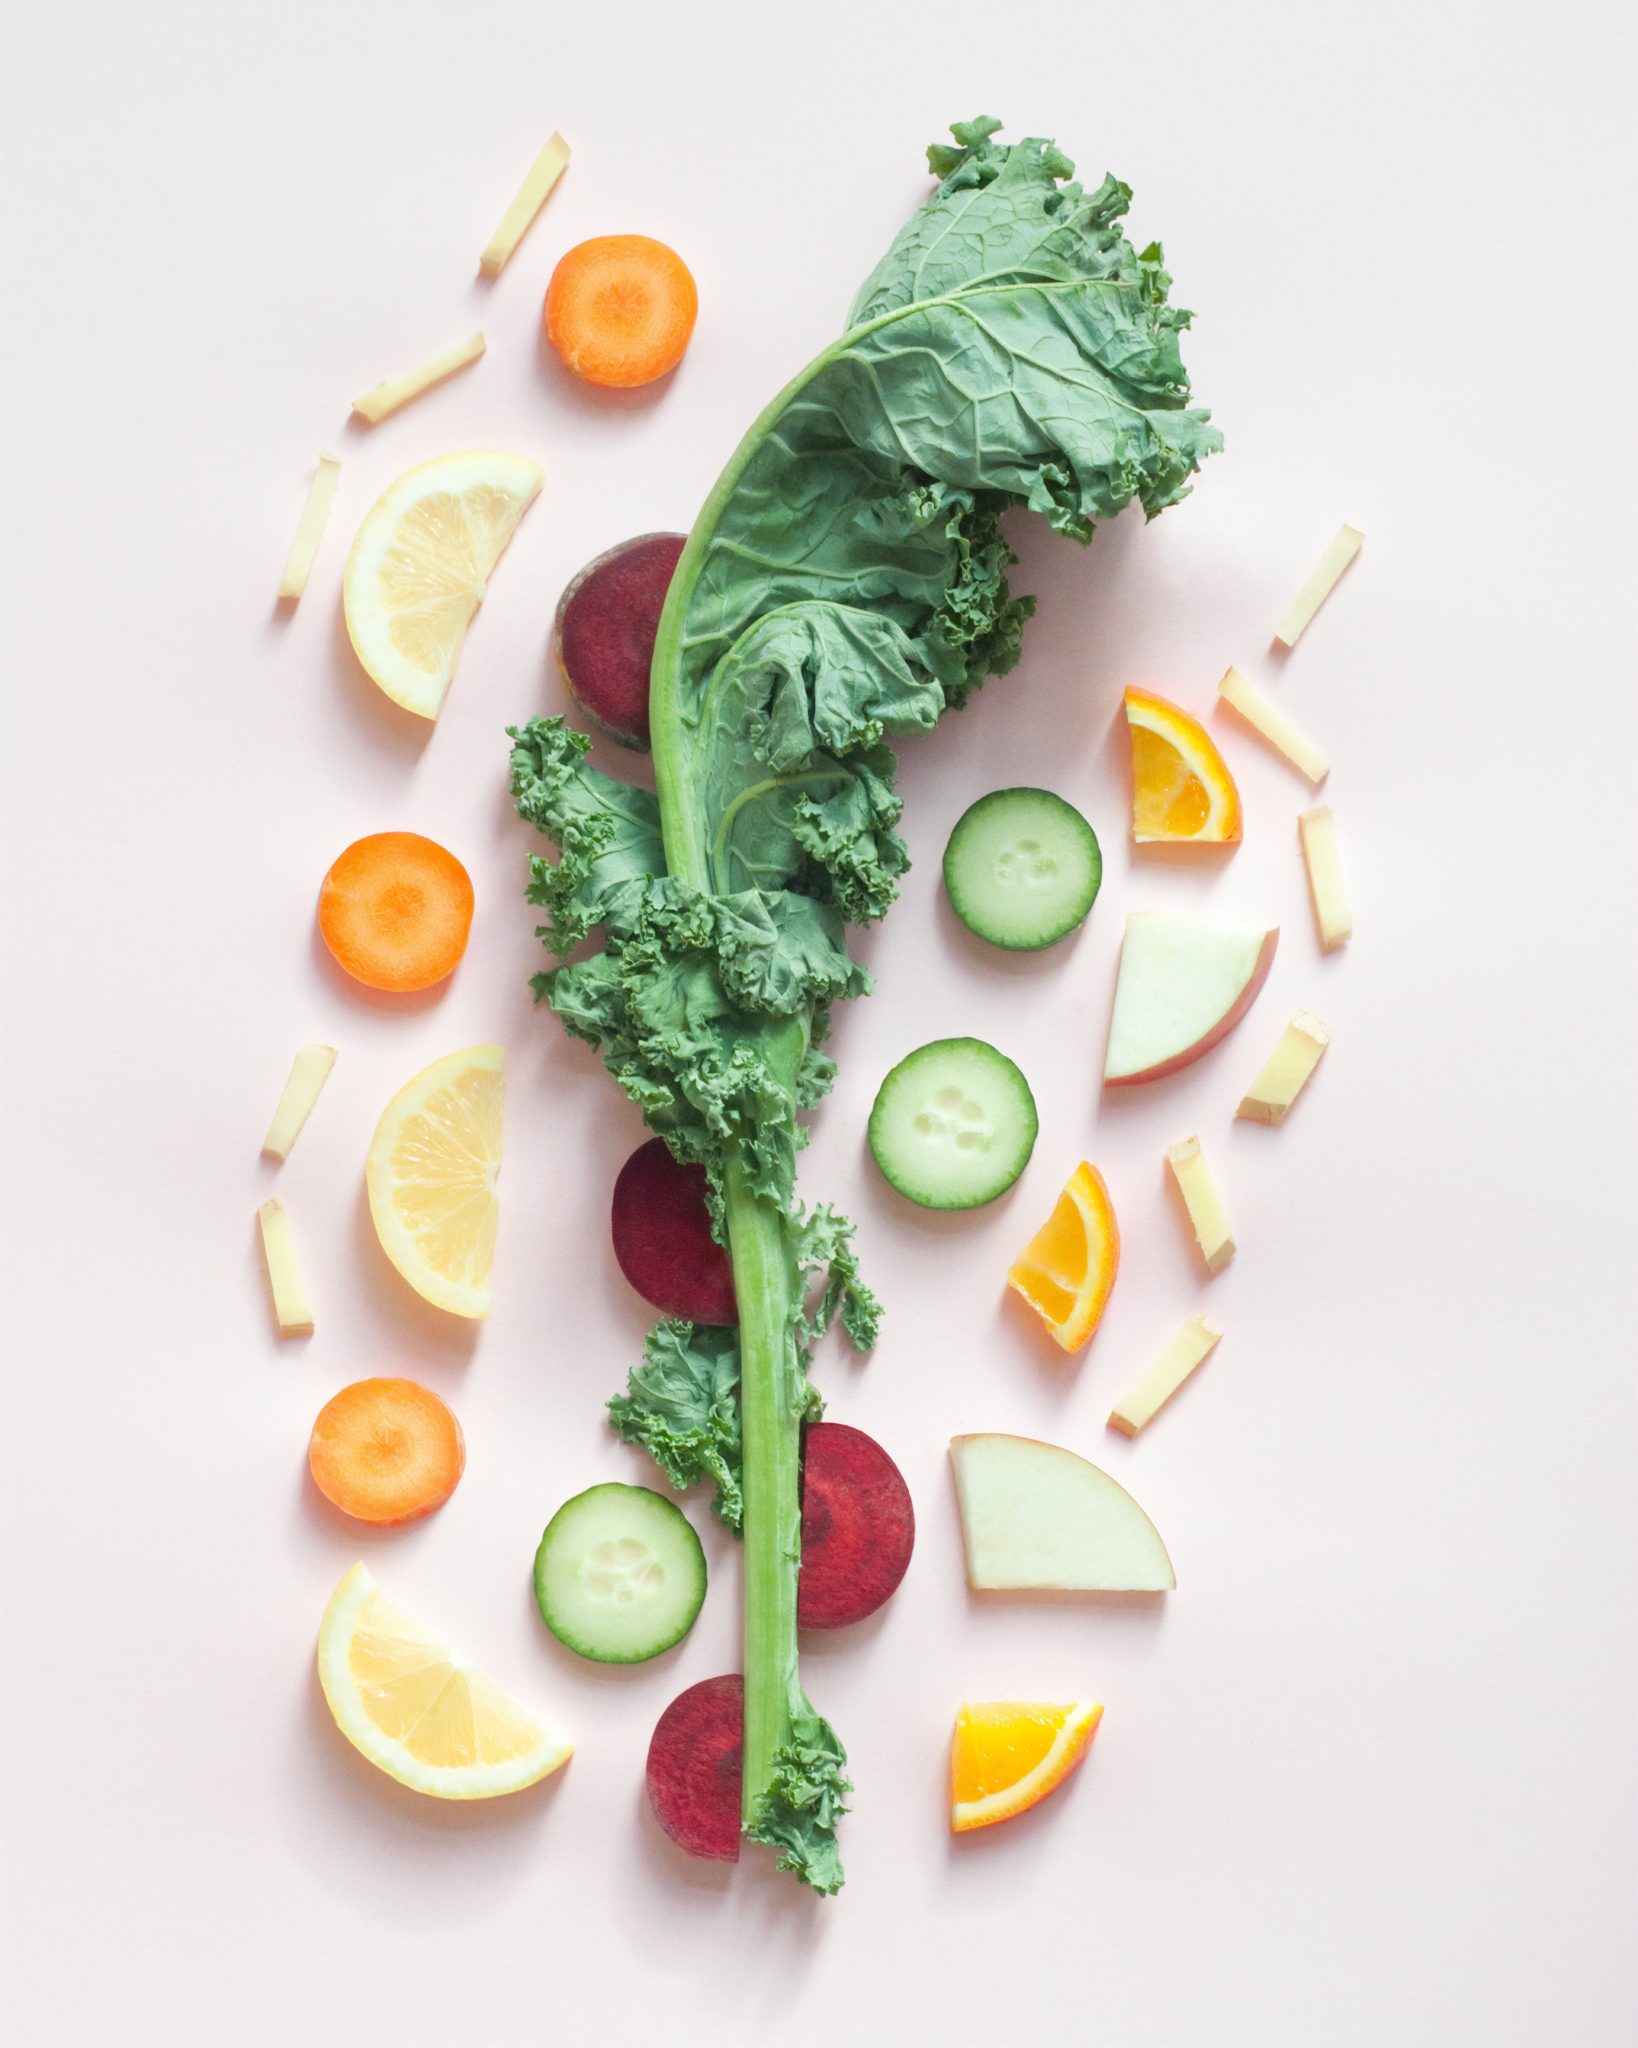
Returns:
point(1037, 1518)
point(1184, 983)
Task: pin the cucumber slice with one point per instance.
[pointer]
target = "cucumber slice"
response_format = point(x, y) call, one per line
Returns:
point(619, 1575)
point(1022, 868)
point(953, 1125)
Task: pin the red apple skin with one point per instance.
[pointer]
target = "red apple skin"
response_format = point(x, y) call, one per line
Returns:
point(1221, 1029)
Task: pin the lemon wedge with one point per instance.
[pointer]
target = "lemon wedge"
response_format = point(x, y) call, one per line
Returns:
point(431, 1177)
point(417, 1710)
point(420, 564)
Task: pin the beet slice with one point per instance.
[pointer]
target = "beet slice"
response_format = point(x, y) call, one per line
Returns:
point(662, 1238)
point(858, 1527)
point(695, 1765)
point(605, 627)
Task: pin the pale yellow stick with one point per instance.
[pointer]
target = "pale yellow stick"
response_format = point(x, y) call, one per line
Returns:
point(1204, 1202)
point(1269, 722)
point(1192, 1345)
point(290, 1310)
point(321, 494)
point(1318, 831)
point(308, 1073)
point(1285, 1072)
point(527, 201)
point(1321, 582)
point(385, 398)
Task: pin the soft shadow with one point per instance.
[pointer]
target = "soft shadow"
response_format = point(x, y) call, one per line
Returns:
point(408, 732)
point(978, 1841)
point(672, 1865)
point(382, 1803)
point(454, 1339)
point(336, 977)
point(567, 388)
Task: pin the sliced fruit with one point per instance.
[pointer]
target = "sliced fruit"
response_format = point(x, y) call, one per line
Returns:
point(1284, 1074)
point(696, 1768)
point(315, 511)
point(309, 1071)
point(431, 1176)
point(290, 1310)
point(1037, 1518)
point(1319, 584)
point(1184, 983)
point(417, 1709)
point(396, 391)
point(1323, 859)
point(1068, 1267)
point(1270, 723)
point(1208, 1218)
point(1191, 1347)
point(858, 1526)
point(662, 1238)
point(1007, 1756)
point(953, 1124)
point(420, 565)
point(386, 1451)
point(395, 911)
point(1181, 786)
point(619, 1574)
point(1022, 868)
point(604, 632)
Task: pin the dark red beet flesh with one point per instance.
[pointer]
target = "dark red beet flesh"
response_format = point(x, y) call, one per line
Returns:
point(858, 1527)
point(662, 1238)
point(606, 622)
point(695, 1766)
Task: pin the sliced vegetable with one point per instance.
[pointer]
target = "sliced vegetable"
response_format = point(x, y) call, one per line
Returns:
point(1067, 1270)
point(604, 632)
point(858, 1526)
point(395, 911)
point(662, 1237)
point(524, 204)
point(1022, 868)
point(290, 1310)
point(953, 1125)
point(315, 511)
point(1323, 859)
point(1037, 1518)
point(1208, 1218)
point(1284, 1074)
point(309, 1071)
point(620, 309)
point(844, 585)
point(386, 1451)
point(398, 391)
point(695, 1768)
point(1190, 1348)
point(1181, 787)
point(619, 1574)
point(1270, 723)
point(418, 1710)
point(1321, 581)
point(420, 566)
point(431, 1175)
point(1007, 1755)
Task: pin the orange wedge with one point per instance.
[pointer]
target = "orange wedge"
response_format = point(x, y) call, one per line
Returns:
point(1007, 1756)
point(1066, 1270)
point(1181, 787)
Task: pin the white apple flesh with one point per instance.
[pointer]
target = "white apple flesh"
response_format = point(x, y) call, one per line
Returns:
point(1184, 983)
point(1037, 1518)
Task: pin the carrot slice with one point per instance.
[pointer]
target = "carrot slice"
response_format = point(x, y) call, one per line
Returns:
point(395, 911)
point(620, 309)
point(386, 1451)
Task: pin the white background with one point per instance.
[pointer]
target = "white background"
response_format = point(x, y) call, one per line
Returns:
point(1367, 1777)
